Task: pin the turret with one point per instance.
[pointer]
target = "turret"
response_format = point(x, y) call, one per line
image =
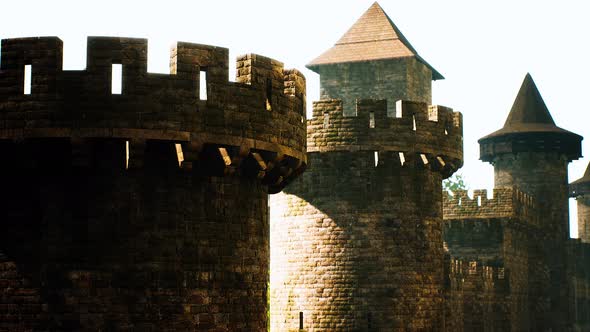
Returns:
point(143, 208)
point(373, 60)
point(580, 189)
point(357, 241)
point(532, 153)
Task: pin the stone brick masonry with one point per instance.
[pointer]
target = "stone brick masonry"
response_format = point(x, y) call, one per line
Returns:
point(357, 240)
point(148, 210)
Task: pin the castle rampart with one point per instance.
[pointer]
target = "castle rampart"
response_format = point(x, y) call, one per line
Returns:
point(364, 220)
point(505, 203)
point(144, 208)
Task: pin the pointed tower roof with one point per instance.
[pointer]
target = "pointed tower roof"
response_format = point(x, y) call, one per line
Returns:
point(530, 127)
point(374, 36)
point(582, 185)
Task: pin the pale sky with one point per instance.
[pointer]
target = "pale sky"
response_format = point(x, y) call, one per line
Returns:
point(483, 48)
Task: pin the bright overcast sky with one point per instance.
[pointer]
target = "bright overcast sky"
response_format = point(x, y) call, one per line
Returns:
point(483, 48)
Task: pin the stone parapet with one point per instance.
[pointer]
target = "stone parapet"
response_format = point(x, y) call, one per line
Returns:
point(429, 135)
point(254, 126)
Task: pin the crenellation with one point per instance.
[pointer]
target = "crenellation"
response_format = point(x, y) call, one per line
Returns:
point(149, 193)
point(436, 138)
point(505, 203)
point(155, 106)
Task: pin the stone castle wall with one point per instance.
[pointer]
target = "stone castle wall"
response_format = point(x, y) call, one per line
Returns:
point(357, 241)
point(584, 218)
point(502, 232)
point(145, 210)
point(391, 80)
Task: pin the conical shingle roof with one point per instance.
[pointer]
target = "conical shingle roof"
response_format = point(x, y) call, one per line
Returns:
point(529, 112)
point(530, 127)
point(372, 37)
point(582, 185)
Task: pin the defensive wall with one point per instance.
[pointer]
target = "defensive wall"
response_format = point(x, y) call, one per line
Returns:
point(145, 208)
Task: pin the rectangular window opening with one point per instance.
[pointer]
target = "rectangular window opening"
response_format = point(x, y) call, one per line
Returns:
point(126, 154)
point(413, 122)
point(179, 154)
point(424, 159)
point(433, 113)
point(478, 200)
point(372, 120)
point(376, 158)
point(398, 109)
point(28, 76)
point(225, 156)
point(402, 158)
point(301, 320)
point(268, 94)
point(117, 79)
point(203, 85)
point(326, 120)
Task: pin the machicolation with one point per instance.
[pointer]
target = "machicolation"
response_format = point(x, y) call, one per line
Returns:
point(230, 124)
point(142, 209)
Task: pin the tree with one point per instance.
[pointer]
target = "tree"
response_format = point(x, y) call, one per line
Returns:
point(455, 182)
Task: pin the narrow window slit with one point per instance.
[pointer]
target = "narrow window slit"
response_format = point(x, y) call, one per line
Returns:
point(376, 154)
point(203, 85)
point(126, 154)
point(446, 132)
point(424, 159)
point(398, 109)
point(301, 320)
point(225, 156)
point(179, 154)
point(369, 319)
point(413, 122)
point(268, 94)
point(28, 77)
point(372, 120)
point(117, 79)
point(478, 200)
point(402, 158)
point(326, 120)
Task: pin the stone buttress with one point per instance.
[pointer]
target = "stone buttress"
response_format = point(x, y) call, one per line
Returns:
point(357, 240)
point(145, 210)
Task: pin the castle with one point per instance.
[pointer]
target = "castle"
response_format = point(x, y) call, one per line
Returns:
point(148, 209)
point(359, 242)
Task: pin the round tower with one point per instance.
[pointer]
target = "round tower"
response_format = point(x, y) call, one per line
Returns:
point(357, 240)
point(580, 189)
point(141, 205)
point(532, 153)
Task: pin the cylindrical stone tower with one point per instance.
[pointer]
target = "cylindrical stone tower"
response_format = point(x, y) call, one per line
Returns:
point(357, 240)
point(143, 208)
point(580, 189)
point(532, 153)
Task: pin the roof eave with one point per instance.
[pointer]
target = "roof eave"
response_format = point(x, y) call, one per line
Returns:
point(436, 75)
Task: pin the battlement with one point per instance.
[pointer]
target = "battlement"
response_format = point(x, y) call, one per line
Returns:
point(491, 276)
point(505, 203)
point(433, 134)
point(257, 121)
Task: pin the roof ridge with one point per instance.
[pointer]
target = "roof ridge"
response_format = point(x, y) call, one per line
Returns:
point(383, 38)
point(360, 42)
point(529, 106)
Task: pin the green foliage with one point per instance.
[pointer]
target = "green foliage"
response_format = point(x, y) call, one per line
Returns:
point(455, 182)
